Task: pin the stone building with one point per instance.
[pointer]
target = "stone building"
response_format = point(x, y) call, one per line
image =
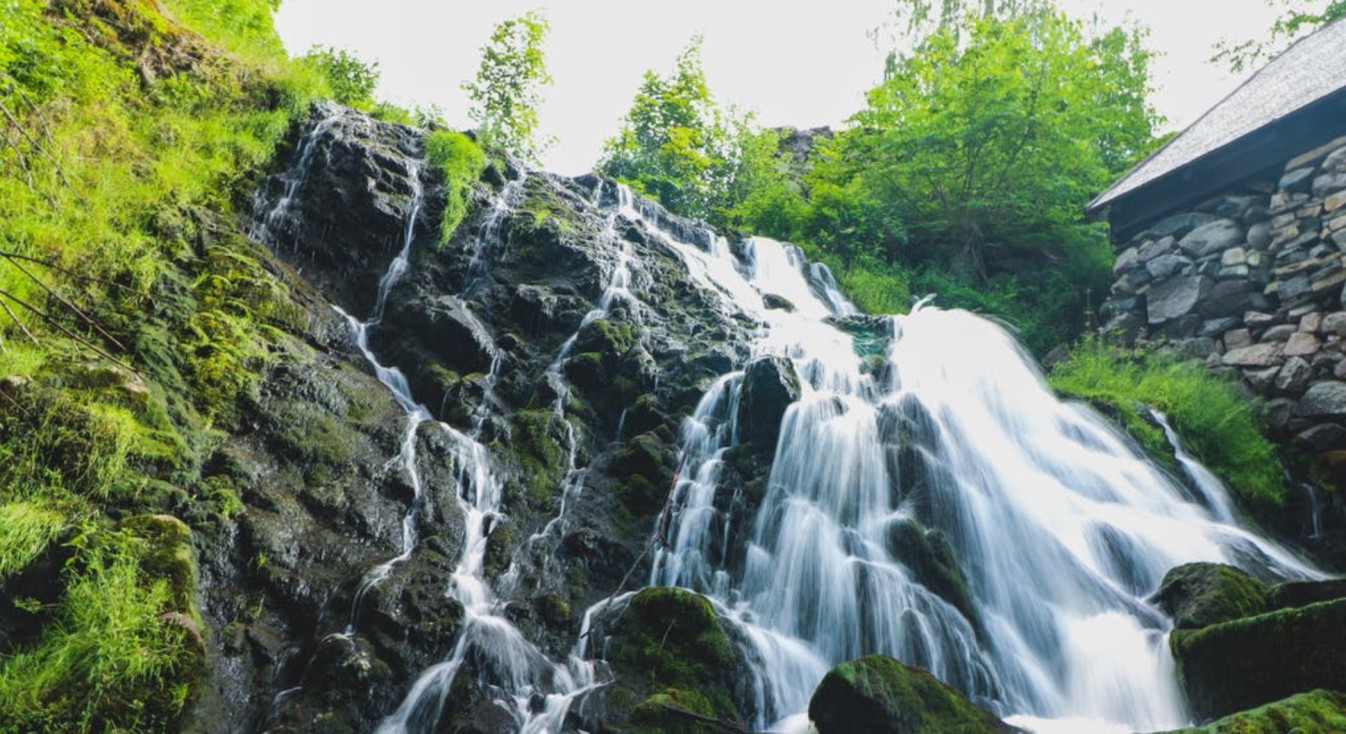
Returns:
point(1231, 241)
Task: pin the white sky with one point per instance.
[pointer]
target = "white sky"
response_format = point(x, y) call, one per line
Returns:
point(791, 65)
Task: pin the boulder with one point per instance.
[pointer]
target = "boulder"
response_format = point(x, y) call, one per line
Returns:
point(879, 695)
point(1173, 298)
point(1294, 375)
point(1226, 298)
point(1196, 595)
point(1303, 593)
point(1325, 399)
point(1167, 265)
point(1300, 179)
point(1322, 438)
point(1212, 238)
point(930, 557)
point(1316, 711)
point(1231, 666)
point(770, 385)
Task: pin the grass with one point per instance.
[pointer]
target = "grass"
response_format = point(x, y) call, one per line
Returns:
point(1216, 422)
point(26, 530)
point(461, 161)
point(109, 661)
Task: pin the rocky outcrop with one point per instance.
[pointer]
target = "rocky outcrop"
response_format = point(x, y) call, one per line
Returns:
point(769, 386)
point(506, 332)
point(1234, 665)
point(880, 695)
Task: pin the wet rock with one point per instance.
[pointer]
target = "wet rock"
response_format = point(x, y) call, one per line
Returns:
point(1231, 666)
point(879, 695)
point(770, 385)
point(669, 653)
point(1196, 595)
point(777, 303)
point(1303, 593)
point(930, 557)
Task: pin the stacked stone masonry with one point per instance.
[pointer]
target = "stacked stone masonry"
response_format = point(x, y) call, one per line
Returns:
point(1252, 282)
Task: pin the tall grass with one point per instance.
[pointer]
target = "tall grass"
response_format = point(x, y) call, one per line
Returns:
point(1216, 422)
point(461, 161)
point(26, 530)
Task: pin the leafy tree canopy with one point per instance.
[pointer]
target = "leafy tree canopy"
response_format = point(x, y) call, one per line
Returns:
point(506, 91)
point(352, 80)
point(998, 129)
point(677, 144)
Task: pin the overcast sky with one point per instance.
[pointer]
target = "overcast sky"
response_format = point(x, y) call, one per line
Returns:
point(791, 66)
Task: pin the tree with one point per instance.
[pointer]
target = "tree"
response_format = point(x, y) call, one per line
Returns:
point(997, 131)
point(352, 80)
point(506, 92)
point(676, 144)
point(1299, 19)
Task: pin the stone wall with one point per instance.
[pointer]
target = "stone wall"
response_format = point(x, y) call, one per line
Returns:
point(1252, 282)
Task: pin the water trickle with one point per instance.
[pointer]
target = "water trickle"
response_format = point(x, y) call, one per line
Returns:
point(294, 178)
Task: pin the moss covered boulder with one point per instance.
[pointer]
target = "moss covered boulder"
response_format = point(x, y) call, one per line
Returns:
point(930, 557)
point(674, 664)
point(1316, 711)
point(1249, 662)
point(879, 695)
point(1196, 595)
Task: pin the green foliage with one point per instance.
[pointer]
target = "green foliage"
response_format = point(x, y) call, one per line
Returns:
point(351, 80)
point(506, 92)
point(1216, 422)
point(26, 530)
point(996, 141)
point(1300, 18)
point(111, 660)
point(697, 158)
point(242, 27)
point(461, 161)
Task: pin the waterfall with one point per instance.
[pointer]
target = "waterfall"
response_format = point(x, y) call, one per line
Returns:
point(1060, 525)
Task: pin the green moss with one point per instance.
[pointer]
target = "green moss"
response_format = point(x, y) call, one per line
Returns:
point(534, 441)
point(1216, 422)
point(880, 695)
point(1196, 595)
point(1256, 660)
point(667, 712)
point(669, 638)
point(461, 161)
point(1305, 713)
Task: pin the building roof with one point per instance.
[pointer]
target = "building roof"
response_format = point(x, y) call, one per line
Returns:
point(1313, 68)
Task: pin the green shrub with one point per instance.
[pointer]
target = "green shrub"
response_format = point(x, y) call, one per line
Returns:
point(1216, 422)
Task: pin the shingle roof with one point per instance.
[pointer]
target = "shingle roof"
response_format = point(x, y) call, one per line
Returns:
point(1313, 68)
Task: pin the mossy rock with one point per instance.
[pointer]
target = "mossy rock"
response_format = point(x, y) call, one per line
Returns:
point(1305, 713)
point(930, 557)
point(1302, 593)
point(879, 695)
point(670, 638)
point(770, 385)
point(168, 554)
point(1197, 595)
point(1228, 667)
point(674, 711)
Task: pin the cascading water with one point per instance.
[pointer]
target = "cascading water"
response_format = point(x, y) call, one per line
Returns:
point(1059, 525)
